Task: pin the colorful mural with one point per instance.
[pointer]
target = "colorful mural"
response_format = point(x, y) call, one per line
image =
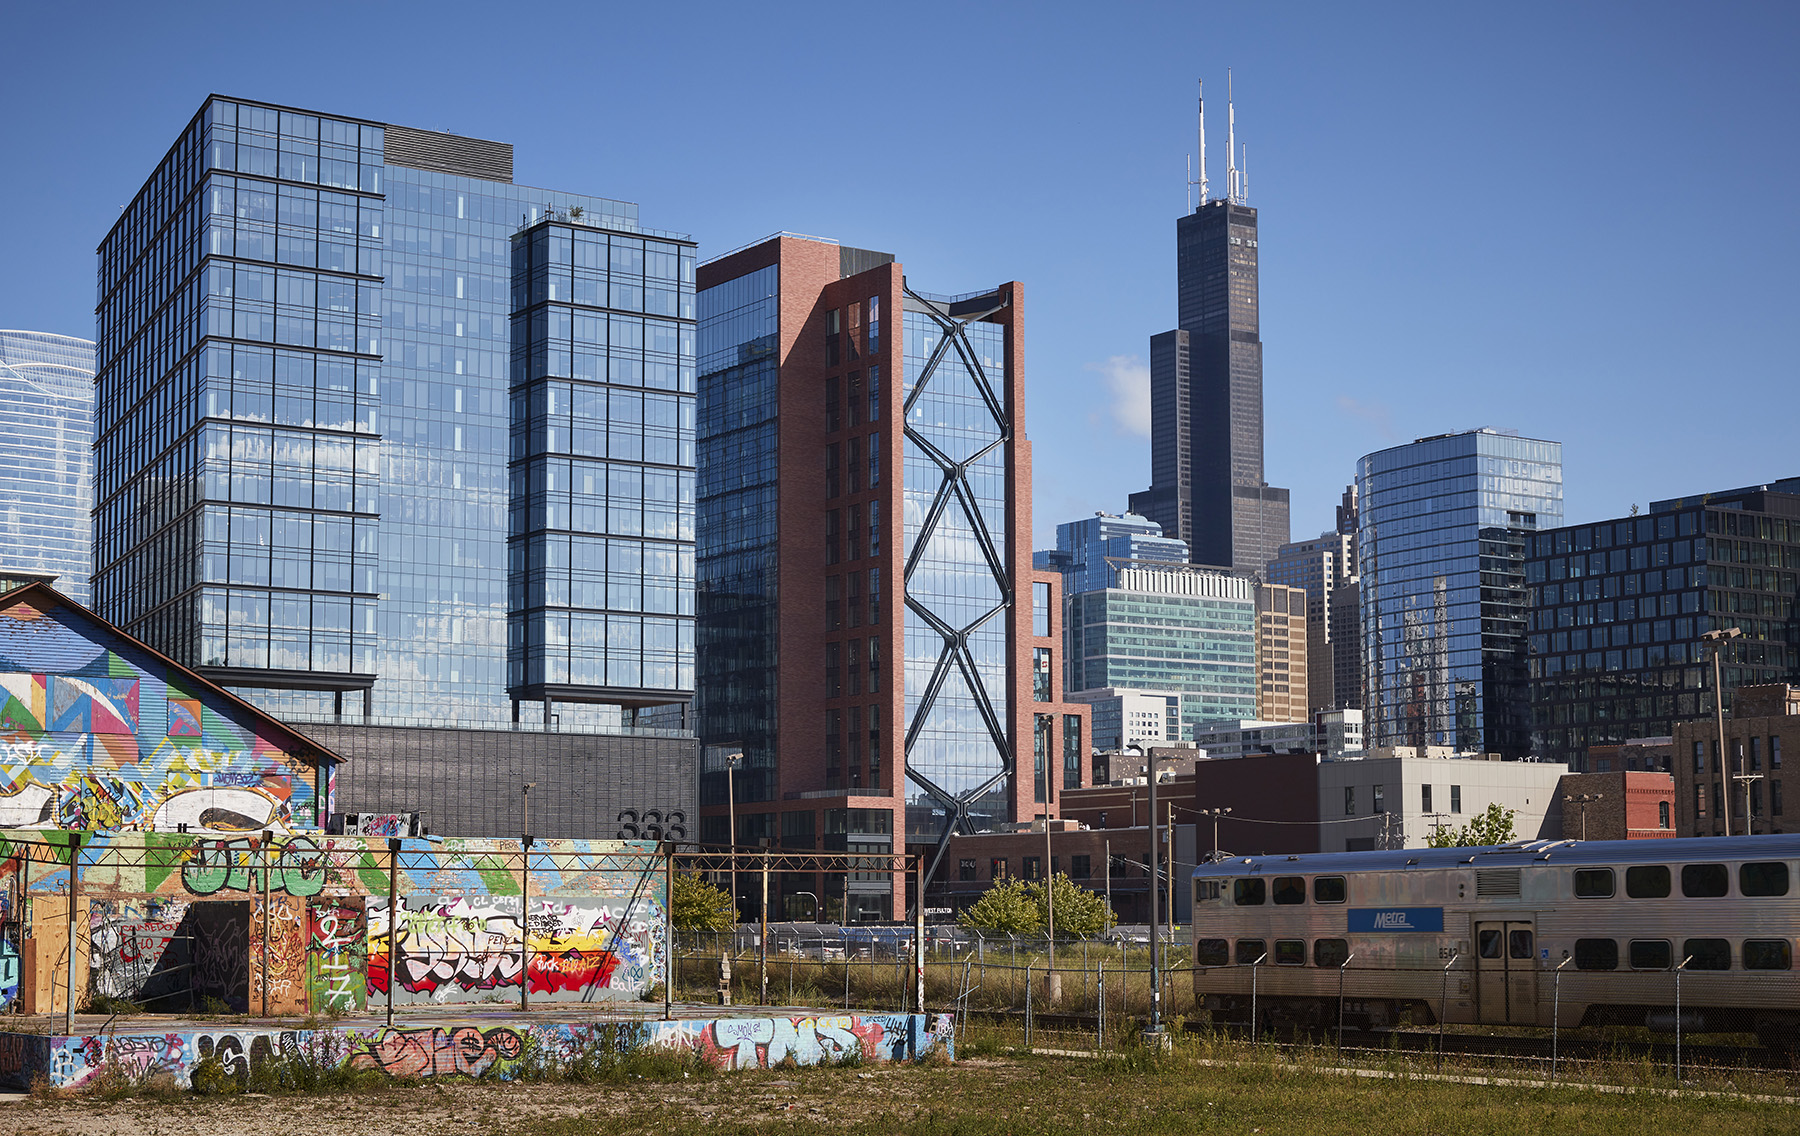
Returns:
point(159, 905)
point(467, 1050)
point(99, 734)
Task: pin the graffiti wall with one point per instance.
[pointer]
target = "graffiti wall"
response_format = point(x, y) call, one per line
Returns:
point(301, 923)
point(98, 734)
point(474, 1051)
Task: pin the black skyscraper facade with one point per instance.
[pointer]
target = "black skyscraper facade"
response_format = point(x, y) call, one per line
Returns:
point(1206, 446)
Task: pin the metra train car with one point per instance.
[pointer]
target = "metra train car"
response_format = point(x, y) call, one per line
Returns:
point(1616, 916)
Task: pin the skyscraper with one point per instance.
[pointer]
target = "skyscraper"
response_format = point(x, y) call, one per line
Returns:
point(1326, 567)
point(46, 442)
point(1444, 527)
point(1206, 398)
point(865, 514)
point(381, 432)
point(1088, 552)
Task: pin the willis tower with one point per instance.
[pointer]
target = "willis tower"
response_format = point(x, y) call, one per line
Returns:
point(1206, 397)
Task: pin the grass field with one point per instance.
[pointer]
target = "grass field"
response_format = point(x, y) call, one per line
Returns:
point(1197, 1090)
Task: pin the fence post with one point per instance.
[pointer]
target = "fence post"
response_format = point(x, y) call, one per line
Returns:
point(919, 933)
point(1444, 1009)
point(1342, 967)
point(1100, 1043)
point(1678, 970)
point(525, 922)
point(74, 883)
point(669, 967)
point(393, 959)
point(1255, 1022)
point(1556, 1017)
point(1028, 1007)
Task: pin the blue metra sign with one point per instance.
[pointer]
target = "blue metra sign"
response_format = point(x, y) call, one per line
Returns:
point(1395, 920)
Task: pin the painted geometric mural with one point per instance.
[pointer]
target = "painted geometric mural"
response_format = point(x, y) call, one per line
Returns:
point(97, 734)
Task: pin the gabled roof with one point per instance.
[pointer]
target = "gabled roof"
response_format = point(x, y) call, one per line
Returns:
point(45, 597)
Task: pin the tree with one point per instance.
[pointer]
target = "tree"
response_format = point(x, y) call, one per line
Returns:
point(696, 905)
point(1078, 910)
point(1008, 906)
point(1494, 826)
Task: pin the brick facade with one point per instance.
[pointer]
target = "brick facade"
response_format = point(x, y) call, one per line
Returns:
point(1761, 732)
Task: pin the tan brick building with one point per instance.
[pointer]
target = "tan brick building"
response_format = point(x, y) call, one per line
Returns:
point(1281, 693)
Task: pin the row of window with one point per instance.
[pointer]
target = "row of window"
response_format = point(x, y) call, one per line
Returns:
point(1698, 954)
point(1256, 891)
point(1378, 803)
point(1698, 881)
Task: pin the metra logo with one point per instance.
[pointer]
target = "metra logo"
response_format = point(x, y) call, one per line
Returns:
point(1392, 921)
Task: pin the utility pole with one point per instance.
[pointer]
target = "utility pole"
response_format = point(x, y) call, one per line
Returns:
point(1582, 801)
point(1716, 640)
point(1049, 895)
point(1215, 814)
point(1155, 1030)
point(732, 762)
point(1170, 903)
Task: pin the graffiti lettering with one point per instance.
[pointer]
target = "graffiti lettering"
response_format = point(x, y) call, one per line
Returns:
point(463, 1051)
point(236, 865)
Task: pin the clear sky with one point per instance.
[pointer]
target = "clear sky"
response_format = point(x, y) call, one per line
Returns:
point(1572, 220)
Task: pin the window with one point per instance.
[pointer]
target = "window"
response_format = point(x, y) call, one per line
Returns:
point(1596, 954)
point(1081, 868)
point(997, 868)
point(1331, 952)
point(1424, 798)
point(1212, 952)
point(1593, 883)
point(1456, 798)
point(1756, 755)
point(1040, 609)
point(1349, 800)
point(1040, 674)
point(1328, 889)
point(1072, 751)
point(1767, 878)
point(1518, 945)
point(1249, 893)
point(1650, 954)
point(1768, 954)
point(1704, 881)
point(1775, 798)
point(1662, 814)
point(1487, 944)
point(1033, 867)
point(1707, 954)
point(1251, 951)
point(1699, 757)
point(1380, 800)
point(965, 869)
point(1290, 889)
point(1649, 881)
point(1290, 952)
point(1774, 751)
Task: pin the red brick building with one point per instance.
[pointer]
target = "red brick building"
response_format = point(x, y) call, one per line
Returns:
point(1622, 805)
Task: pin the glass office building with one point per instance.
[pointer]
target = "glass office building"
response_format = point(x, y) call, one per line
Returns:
point(347, 441)
point(1617, 609)
point(46, 441)
point(1169, 629)
point(1444, 526)
point(1089, 551)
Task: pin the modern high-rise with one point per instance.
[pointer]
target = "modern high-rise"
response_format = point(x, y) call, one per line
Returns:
point(1089, 551)
point(1170, 629)
point(46, 444)
point(1206, 396)
point(1325, 567)
point(381, 432)
point(1444, 527)
point(872, 637)
point(1618, 608)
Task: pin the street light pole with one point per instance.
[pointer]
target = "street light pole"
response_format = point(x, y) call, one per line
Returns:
point(732, 761)
point(1215, 814)
point(1716, 639)
point(524, 901)
point(1155, 884)
point(1582, 801)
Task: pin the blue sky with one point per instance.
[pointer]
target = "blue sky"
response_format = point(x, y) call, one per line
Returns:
point(1572, 220)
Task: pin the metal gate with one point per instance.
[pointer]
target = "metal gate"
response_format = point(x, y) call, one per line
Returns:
point(1506, 972)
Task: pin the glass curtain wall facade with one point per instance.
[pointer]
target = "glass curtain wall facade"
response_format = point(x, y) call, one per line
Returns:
point(1444, 527)
point(46, 458)
point(305, 412)
point(1085, 547)
point(957, 512)
point(1618, 608)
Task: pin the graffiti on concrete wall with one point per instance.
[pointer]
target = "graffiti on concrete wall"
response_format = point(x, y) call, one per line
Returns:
point(137, 949)
point(337, 955)
point(221, 970)
point(457, 1050)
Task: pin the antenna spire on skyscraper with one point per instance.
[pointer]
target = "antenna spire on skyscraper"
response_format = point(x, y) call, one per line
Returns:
point(1202, 182)
point(1233, 189)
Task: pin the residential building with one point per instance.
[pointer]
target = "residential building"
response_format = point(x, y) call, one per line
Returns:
point(873, 638)
point(1176, 629)
point(1621, 805)
point(1396, 802)
point(1330, 734)
point(1206, 396)
point(1133, 717)
point(46, 444)
point(381, 432)
point(1088, 551)
point(1618, 608)
point(1762, 727)
point(1281, 653)
point(1326, 568)
point(1444, 524)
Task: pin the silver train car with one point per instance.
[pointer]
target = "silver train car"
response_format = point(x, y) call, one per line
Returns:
point(1589, 933)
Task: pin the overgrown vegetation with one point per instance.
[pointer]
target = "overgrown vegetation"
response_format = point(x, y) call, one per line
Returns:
point(1018, 908)
point(695, 905)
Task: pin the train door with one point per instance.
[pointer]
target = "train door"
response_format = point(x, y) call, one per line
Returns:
point(1506, 972)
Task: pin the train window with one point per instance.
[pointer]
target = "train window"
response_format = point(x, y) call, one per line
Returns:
point(1704, 881)
point(1651, 954)
point(1330, 952)
point(1207, 890)
point(1290, 952)
point(1651, 881)
point(1593, 883)
point(1489, 944)
point(1707, 954)
point(1596, 954)
point(1290, 889)
point(1251, 951)
point(1328, 889)
point(1249, 893)
point(1212, 952)
point(1769, 878)
point(1518, 945)
point(1768, 954)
